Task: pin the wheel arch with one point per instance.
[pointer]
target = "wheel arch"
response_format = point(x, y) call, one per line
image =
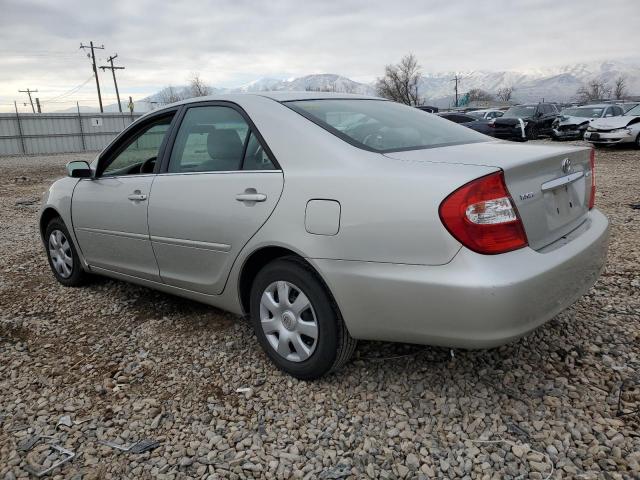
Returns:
point(261, 257)
point(48, 214)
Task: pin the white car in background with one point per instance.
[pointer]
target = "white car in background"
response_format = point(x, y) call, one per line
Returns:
point(485, 114)
point(614, 130)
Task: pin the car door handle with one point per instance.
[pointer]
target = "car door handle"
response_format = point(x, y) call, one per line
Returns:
point(251, 197)
point(137, 196)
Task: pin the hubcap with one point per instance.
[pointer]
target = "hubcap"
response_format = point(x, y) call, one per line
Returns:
point(60, 253)
point(288, 321)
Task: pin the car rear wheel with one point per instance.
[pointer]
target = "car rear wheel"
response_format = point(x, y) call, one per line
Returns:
point(296, 320)
point(638, 141)
point(62, 255)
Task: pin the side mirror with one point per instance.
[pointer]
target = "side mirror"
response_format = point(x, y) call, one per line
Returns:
point(79, 169)
point(539, 114)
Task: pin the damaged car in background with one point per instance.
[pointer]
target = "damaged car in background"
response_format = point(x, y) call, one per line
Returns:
point(526, 121)
point(615, 130)
point(573, 122)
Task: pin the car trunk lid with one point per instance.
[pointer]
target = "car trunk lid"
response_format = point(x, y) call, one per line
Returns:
point(550, 186)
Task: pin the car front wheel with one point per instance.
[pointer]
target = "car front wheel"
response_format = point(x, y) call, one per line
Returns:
point(296, 320)
point(532, 133)
point(62, 255)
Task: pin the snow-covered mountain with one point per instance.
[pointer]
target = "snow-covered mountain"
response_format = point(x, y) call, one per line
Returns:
point(551, 83)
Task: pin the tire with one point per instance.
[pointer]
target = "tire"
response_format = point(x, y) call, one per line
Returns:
point(282, 327)
point(532, 133)
point(63, 256)
point(638, 141)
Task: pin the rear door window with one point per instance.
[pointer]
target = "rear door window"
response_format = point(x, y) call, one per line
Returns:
point(210, 139)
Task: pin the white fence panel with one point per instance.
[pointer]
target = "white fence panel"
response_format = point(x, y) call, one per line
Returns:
point(42, 133)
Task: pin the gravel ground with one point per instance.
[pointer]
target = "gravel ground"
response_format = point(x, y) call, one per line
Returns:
point(123, 363)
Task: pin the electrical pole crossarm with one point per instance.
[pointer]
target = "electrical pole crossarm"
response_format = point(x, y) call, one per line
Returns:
point(113, 72)
point(28, 91)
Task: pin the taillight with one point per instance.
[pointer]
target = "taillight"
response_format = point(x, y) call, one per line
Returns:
point(481, 215)
point(592, 161)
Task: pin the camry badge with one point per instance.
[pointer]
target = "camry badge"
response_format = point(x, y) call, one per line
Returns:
point(566, 165)
point(526, 196)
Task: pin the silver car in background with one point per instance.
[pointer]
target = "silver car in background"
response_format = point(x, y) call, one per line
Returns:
point(329, 218)
point(624, 129)
point(573, 121)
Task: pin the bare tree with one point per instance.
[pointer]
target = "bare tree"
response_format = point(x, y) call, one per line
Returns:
point(169, 95)
point(593, 90)
point(505, 93)
point(197, 86)
point(476, 94)
point(400, 82)
point(620, 88)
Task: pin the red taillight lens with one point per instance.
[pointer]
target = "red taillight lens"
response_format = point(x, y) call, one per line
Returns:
point(592, 161)
point(481, 215)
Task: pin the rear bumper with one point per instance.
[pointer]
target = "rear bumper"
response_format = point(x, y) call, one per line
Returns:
point(475, 301)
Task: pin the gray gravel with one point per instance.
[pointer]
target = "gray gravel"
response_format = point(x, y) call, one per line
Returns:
point(125, 363)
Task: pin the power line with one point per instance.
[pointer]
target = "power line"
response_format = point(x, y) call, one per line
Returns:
point(95, 70)
point(29, 92)
point(113, 71)
point(69, 92)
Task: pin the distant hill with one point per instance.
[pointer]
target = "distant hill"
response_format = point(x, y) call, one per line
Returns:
point(553, 84)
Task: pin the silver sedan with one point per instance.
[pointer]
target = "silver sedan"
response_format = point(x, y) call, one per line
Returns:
point(328, 218)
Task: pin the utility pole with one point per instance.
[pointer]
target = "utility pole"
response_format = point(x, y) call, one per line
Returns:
point(38, 105)
point(113, 71)
point(456, 79)
point(95, 69)
point(29, 92)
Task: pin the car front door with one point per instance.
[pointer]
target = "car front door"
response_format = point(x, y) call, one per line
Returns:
point(109, 211)
point(548, 116)
point(217, 188)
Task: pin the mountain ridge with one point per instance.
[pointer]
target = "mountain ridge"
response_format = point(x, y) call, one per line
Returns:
point(549, 83)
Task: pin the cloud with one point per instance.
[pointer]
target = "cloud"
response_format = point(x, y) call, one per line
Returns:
point(232, 42)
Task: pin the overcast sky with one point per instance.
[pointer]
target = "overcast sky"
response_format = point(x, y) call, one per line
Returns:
point(233, 42)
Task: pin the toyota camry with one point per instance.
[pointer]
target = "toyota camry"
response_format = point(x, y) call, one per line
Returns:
point(328, 218)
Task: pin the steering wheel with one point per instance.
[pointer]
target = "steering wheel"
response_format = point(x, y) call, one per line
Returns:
point(148, 165)
point(372, 139)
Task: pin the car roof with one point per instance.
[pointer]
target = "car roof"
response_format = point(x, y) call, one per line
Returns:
point(279, 96)
point(242, 98)
point(596, 105)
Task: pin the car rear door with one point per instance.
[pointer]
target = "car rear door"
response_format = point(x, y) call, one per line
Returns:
point(109, 212)
point(218, 186)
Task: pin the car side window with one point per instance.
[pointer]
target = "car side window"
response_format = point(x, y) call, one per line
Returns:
point(140, 151)
point(210, 139)
point(255, 157)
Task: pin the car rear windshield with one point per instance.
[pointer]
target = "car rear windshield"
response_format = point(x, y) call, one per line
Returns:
point(383, 126)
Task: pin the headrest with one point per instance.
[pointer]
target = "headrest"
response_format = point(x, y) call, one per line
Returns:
point(224, 144)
